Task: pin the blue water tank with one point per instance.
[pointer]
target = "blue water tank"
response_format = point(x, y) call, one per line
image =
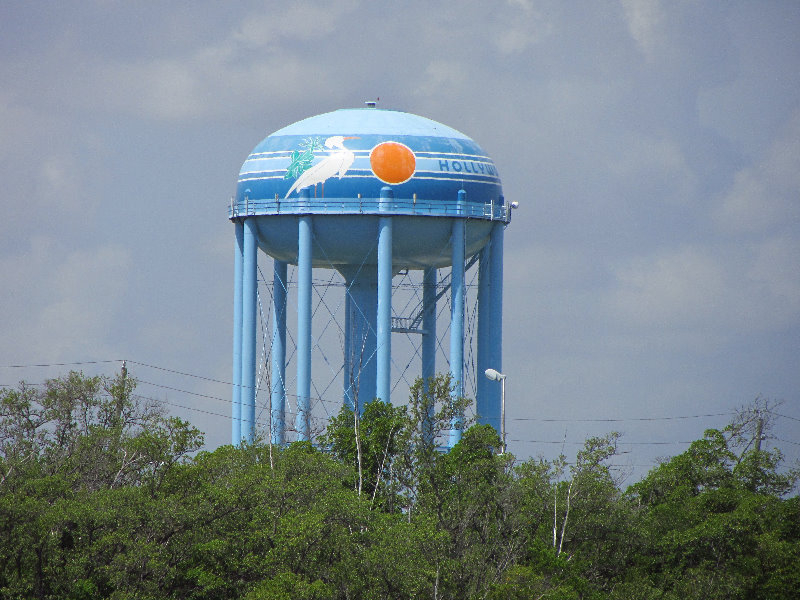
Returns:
point(368, 163)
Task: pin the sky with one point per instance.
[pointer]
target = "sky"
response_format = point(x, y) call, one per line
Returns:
point(652, 270)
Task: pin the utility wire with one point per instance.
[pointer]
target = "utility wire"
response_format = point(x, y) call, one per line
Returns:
point(725, 414)
point(521, 419)
point(62, 364)
point(321, 400)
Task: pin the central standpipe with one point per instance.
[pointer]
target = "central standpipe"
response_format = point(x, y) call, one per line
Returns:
point(428, 324)
point(428, 343)
point(278, 371)
point(368, 320)
point(361, 309)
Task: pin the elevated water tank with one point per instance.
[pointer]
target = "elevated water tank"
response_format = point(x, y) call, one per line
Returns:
point(368, 192)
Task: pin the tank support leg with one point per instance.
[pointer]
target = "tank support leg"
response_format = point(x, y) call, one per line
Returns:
point(303, 327)
point(490, 327)
point(236, 401)
point(249, 311)
point(384, 321)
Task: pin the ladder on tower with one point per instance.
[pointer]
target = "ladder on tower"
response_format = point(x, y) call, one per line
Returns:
point(412, 324)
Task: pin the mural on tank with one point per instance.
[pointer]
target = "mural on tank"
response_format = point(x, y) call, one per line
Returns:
point(301, 159)
point(367, 193)
point(391, 162)
point(336, 163)
point(349, 155)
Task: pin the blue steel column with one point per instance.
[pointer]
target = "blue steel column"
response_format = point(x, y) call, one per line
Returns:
point(249, 306)
point(496, 288)
point(457, 317)
point(487, 402)
point(303, 324)
point(384, 321)
point(278, 383)
point(236, 402)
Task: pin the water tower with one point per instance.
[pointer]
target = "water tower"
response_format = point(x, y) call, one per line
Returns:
point(370, 193)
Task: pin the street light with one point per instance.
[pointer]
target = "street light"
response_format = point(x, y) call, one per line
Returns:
point(495, 375)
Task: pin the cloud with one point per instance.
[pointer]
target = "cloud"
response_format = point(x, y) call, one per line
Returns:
point(644, 19)
point(210, 84)
point(683, 287)
point(656, 166)
point(45, 172)
point(659, 206)
point(13, 127)
point(304, 21)
point(61, 304)
point(766, 195)
point(774, 277)
point(277, 56)
point(520, 28)
point(711, 291)
point(442, 76)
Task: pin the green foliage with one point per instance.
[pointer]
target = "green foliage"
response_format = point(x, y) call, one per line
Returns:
point(101, 496)
point(710, 532)
point(381, 430)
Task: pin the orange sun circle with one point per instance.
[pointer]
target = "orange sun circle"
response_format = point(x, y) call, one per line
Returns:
point(392, 162)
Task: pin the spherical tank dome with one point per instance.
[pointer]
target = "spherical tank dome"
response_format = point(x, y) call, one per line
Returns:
point(348, 152)
point(350, 167)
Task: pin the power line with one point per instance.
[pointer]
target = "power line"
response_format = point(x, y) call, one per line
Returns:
point(62, 364)
point(610, 420)
point(141, 364)
point(520, 419)
point(786, 417)
point(223, 382)
point(788, 441)
point(227, 400)
point(619, 442)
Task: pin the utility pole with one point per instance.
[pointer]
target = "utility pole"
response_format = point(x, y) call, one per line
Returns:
point(759, 430)
point(756, 456)
point(121, 393)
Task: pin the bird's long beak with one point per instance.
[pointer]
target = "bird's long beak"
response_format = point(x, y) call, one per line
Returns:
point(351, 137)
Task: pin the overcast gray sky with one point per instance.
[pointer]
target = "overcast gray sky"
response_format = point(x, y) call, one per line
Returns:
point(652, 269)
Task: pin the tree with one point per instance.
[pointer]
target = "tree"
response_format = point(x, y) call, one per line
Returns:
point(371, 448)
point(577, 531)
point(66, 448)
point(709, 532)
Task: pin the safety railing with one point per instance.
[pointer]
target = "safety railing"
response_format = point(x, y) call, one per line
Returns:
point(493, 210)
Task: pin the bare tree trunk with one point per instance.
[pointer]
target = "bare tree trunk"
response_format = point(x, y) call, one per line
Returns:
point(380, 469)
point(555, 513)
point(271, 460)
point(566, 516)
point(356, 416)
point(358, 448)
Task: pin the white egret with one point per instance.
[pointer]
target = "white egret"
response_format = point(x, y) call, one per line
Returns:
point(336, 163)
